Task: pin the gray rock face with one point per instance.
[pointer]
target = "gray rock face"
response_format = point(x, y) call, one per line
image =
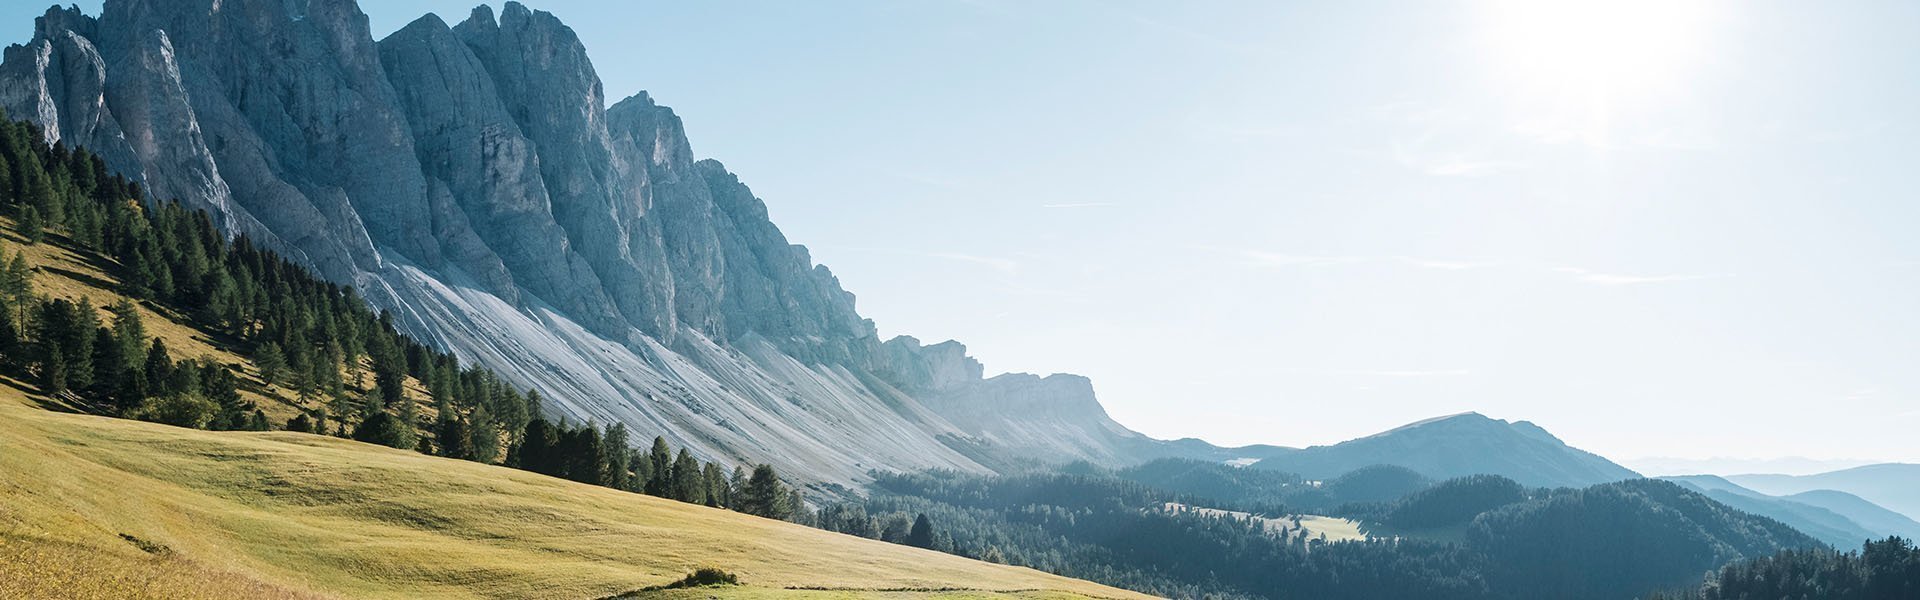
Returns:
point(472, 180)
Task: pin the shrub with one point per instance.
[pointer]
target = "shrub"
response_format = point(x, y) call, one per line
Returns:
point(705, 576)
point(182, 410)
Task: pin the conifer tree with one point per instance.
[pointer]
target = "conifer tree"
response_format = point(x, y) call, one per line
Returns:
point(716, 485)
point(689, 484)
point(921, 535)
point(662, 459)
point(452, 438)
point(615, 452)
point(271, 361)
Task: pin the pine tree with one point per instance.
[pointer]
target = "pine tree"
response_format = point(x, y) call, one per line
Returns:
point(9, 338)
point(716, 485)
point(271, 361)
point(452, 438)
point(53, 371)
point(661, 458)
point(689, 485)
point(615, 453)
point(159, 368)
point(921, 536)
point(536, 448)
point(586, 459)
point(737, 488)
point(764, 495)
point(31, 225)
point(17, 281)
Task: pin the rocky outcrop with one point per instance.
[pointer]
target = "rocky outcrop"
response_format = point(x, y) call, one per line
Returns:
point(472, 180)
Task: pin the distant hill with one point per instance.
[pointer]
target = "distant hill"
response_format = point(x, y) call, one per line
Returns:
point(1619, 540)
point(1822, 523)
point(1459, 445)
point(1875, 518)
point(1895, 486)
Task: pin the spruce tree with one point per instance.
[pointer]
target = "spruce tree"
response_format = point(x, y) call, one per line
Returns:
point(452, 438)
point(716, 485)
point(921, 536)
point(764, 495)
point(661, 458)
point(689, 484)
point(615, 453)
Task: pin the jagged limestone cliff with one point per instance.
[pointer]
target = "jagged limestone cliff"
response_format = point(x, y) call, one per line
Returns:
point(473, 180)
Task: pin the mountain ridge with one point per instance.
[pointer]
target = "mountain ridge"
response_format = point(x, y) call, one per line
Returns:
point(1457, 445)
point(473, 180)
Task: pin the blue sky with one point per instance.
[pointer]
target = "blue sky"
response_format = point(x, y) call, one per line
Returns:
point(1656, 229)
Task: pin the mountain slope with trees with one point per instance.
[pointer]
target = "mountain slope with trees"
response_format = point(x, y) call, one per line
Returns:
point(1455, 446)
point(1605, 541)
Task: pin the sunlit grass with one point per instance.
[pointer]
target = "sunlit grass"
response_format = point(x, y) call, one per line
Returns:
point(305, 513)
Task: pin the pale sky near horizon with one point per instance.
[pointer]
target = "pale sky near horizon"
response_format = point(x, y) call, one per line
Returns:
point(1657, 229)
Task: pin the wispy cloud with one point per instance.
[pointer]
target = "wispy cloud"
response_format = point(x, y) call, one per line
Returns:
point(1283, 259)
point(1600, 278)
point(1277, 259)
point(1077, 205)
point(1445, 265)
point(1003, 265)
point(1400, 374)
point(1419, 155)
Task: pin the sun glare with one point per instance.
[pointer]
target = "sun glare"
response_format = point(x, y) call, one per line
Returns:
point(1590, 58)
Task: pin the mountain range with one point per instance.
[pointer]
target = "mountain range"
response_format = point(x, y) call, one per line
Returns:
point(473, 181)
point(1840, 519)
point(1895, 486)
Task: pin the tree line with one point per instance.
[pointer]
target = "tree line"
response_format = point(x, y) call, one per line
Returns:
point(1886, 569)
point(346, 364)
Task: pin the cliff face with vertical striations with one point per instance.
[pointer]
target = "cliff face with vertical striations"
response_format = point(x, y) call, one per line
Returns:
point(473, 180)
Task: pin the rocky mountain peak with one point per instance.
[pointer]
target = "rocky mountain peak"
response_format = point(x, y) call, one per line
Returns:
point(471, 180)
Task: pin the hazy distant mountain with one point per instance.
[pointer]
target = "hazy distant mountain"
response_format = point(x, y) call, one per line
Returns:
point(1822, 523)
point(1874, 518)
point(1660, 466)
point(1459, 445)
point(1895, 486)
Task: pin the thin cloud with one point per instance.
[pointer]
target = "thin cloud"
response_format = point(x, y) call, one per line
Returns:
point(1282, 259)
point(1599, 278)
point(1445, 265)
point(1277, 259)
point(1416, 156)
point(1400, 374)
point(1004, 265)
point(1077, 205)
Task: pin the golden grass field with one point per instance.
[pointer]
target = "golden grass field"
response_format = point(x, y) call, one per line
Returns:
point(96, 507)
point(100, 507)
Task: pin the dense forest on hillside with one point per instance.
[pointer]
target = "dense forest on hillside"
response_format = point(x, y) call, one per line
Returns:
point(1886, 569)
point(347, 370)
point(1606, 541)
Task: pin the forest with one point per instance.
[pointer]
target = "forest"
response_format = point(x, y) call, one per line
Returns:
point(1607, 541)
point(1886, 569)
